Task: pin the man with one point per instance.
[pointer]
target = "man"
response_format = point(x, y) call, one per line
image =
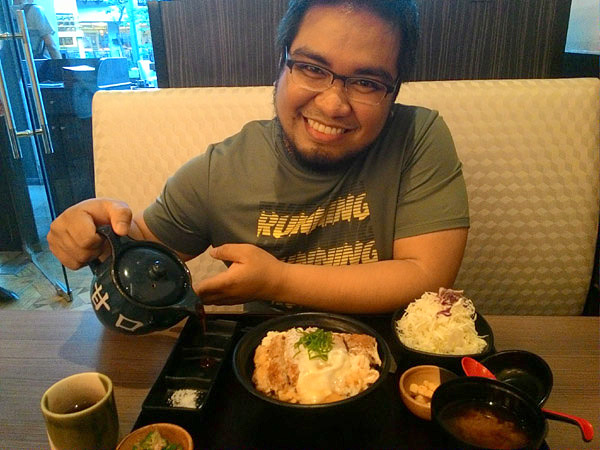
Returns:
point(40, 35)
point(40, 31)
point(344, 202)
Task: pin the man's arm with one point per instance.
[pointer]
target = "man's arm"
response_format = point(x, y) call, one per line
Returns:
point(37, 20)
point(51, 46)
point(421, 263)
point(142, 232)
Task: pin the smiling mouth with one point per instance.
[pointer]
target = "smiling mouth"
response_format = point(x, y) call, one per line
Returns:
point(325, 129)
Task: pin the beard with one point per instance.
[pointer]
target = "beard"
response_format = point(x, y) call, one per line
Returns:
point(317, 159)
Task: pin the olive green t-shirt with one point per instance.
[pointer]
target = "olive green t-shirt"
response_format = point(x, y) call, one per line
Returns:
point(249, 189)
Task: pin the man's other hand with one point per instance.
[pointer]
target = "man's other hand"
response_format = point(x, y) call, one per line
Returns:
point(254, 274)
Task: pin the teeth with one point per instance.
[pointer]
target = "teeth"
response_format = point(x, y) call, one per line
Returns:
point(324, 128)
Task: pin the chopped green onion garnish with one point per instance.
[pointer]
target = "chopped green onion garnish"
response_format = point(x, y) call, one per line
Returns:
point(317, 343)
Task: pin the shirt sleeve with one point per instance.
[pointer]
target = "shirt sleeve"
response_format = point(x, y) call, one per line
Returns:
point(179, 216)
point(432, 195)
point(37, 20)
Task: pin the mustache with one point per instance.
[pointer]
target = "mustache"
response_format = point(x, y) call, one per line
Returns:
point(319, 161)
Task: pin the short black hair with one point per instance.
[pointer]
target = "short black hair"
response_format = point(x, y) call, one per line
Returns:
point(401, 14)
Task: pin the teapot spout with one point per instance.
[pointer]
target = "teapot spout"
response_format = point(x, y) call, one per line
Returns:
point(191, 303)
point(193, 306)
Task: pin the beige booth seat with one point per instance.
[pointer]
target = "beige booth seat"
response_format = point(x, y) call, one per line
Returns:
point(530, 150)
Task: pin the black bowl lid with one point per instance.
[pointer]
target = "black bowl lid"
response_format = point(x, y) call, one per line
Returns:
point(523, 370)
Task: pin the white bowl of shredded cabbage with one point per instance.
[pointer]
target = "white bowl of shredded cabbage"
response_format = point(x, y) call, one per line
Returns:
point(441, 326)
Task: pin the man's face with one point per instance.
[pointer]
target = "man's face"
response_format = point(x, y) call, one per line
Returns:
point(325, 129)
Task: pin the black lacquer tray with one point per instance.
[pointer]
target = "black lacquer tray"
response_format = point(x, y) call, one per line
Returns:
point(193, 366)
point(230, 417)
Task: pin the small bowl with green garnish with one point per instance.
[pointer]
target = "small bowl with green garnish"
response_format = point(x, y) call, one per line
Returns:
point(166, 436)
point(311, 361)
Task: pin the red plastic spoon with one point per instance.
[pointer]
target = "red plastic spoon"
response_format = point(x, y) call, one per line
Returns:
point(474, 368)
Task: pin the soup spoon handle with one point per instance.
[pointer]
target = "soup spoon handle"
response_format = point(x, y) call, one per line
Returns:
point(587, 430)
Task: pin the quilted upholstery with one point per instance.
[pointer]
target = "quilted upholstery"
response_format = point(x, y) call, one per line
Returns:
point(530, 150)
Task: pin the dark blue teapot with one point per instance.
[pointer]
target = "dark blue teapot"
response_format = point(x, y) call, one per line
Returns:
point(142, 287)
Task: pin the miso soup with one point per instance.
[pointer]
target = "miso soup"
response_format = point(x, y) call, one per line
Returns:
point(485, 426)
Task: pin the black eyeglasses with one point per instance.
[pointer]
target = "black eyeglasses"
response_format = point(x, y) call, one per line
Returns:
point(318, 79)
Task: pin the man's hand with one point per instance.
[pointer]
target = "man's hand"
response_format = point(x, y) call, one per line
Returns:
point(73, 238)
point(254, 274)
point(421, 263)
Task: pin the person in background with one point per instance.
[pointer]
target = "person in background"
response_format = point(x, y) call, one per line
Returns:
point(344, 202)
point(40, 31)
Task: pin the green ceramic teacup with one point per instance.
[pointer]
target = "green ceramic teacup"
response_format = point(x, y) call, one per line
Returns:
point(80, 413)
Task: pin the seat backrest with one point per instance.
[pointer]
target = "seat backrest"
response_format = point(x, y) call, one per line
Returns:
point(530, 150)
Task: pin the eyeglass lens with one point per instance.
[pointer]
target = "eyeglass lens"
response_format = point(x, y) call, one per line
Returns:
point(318, 79)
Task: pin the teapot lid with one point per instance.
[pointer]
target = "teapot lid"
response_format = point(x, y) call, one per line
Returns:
point(151, 276)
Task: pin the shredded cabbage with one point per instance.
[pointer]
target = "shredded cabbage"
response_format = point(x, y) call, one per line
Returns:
point(442, 323)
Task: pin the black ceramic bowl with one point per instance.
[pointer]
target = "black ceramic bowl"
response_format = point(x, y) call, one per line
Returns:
point(476, 397)
point(408, 357)
point(243, 355)
point(523, 370)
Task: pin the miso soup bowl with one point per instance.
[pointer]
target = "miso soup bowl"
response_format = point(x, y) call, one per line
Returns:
point(474, 392)
point(243, 356)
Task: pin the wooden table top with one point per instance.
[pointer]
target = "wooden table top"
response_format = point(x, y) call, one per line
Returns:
point(37, 348)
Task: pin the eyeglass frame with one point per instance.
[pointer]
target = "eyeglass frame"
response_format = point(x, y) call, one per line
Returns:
point(289, 62)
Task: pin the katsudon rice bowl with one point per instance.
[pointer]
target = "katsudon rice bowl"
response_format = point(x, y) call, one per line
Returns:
point(311, 361)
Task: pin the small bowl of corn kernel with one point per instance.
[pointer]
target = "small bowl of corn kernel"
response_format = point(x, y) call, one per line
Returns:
point(417, 386)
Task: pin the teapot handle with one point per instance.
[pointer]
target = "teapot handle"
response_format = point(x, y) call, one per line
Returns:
point(115, 243)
